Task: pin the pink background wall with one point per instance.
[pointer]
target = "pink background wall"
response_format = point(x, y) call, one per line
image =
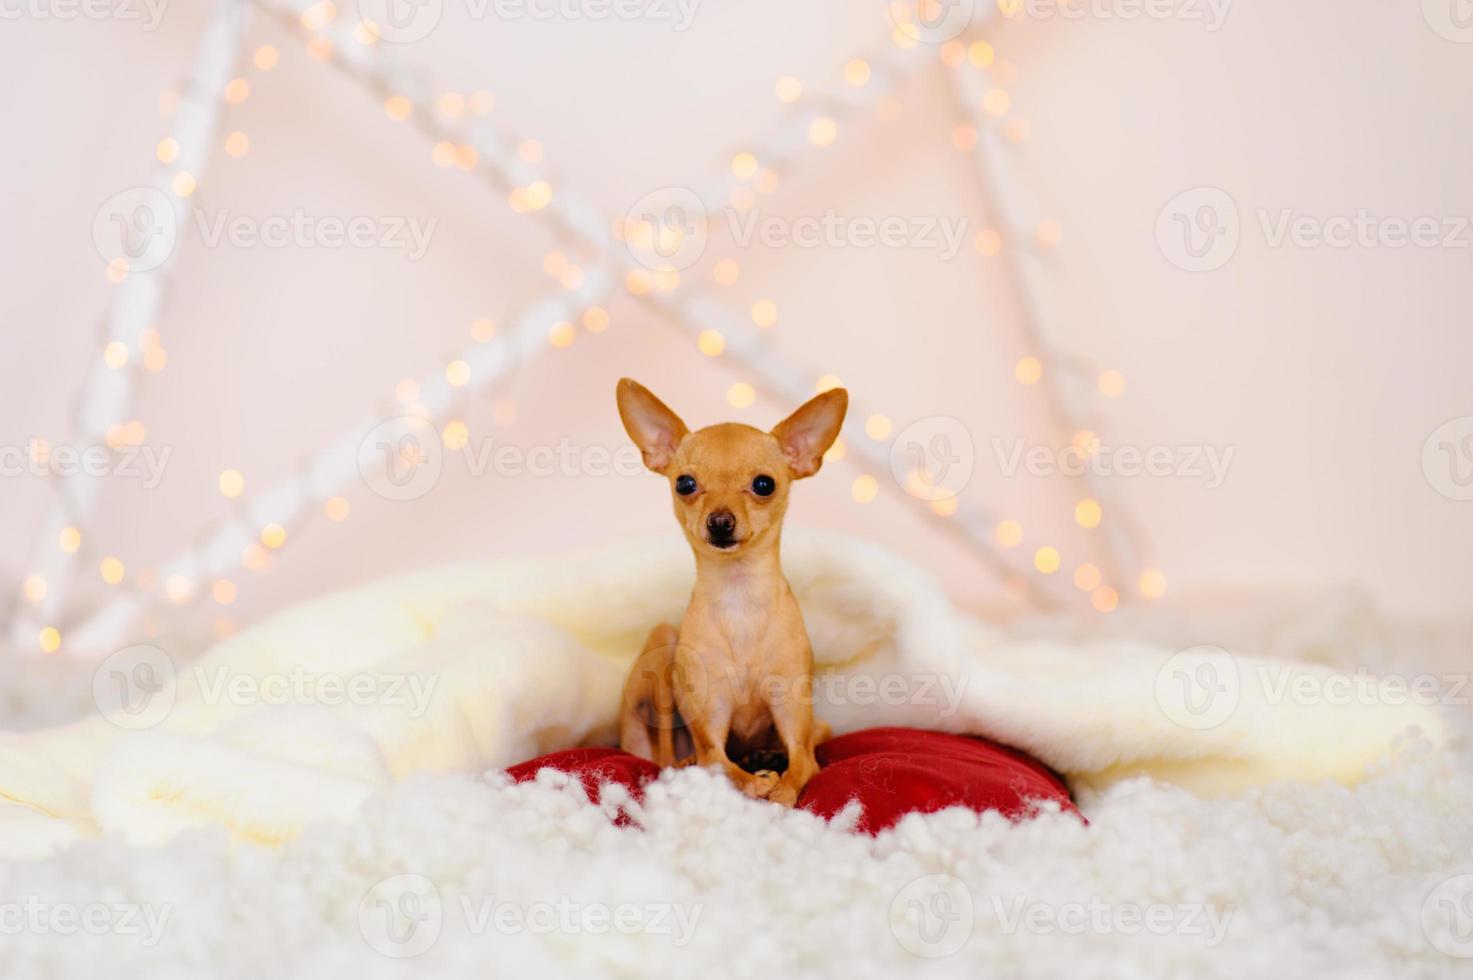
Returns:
point(1325, 369)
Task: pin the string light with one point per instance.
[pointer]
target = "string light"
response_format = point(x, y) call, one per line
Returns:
point(1028, 370)
point(1087, 513)
point(945, 507)
point(336, 508)
point(223, 591)
point(115, 354)
point(111, 570)
point(456, 435)
point(237, 144)
point(562, 334)
point(266, 57)
point(231, 483)
point(167, 150)
point(836, 451)
point(1112, 383)
point(1152, 583)
point(1009, 534)
point(743, 166)
point(70, 539)
point(980, 54)
point(727, 271)
point(857, 72)
point(457, 373)
point(996, 102)
point(183, 183)
point(710, 342)
point(1105, 599)
point(988, 242)
point(764, 313)
point(1048, 233)
point(741, 395)
point(596, 319)
point(823, 131)
point(319, 15)
point(865, 488)
point(273, 536)
point(1046, 559)
point(878, 427)
point(638, 282)
point(482, 329)
point(1086, 578)
point(451, 105)
point(828, 382)
point(530, 151)
point(254, 557)
point(398, 108)
point(49, 639)
point(33, 588)
point(237, 91)
point(178, 589)
point(789, 89)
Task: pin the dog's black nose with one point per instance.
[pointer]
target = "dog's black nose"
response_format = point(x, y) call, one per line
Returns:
point(721, 525)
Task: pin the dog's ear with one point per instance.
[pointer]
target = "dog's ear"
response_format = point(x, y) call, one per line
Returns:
point(809, 432)
point(655, 429)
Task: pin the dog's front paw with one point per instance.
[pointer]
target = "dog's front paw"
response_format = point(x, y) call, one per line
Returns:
point(760, 785)
point(785, 794)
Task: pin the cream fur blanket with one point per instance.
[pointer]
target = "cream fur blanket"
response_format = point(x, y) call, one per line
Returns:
point(478, 666)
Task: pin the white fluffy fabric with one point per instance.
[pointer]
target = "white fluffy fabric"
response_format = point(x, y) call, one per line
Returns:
point(1293, 836)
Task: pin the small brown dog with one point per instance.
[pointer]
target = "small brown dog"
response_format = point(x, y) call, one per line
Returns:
point(736, 678)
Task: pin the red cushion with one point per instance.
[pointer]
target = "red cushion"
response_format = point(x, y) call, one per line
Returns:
point(895, 771)
point(890, 771)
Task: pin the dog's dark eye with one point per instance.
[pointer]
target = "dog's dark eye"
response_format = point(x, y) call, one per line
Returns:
point(685, 484)
point(763, 486)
